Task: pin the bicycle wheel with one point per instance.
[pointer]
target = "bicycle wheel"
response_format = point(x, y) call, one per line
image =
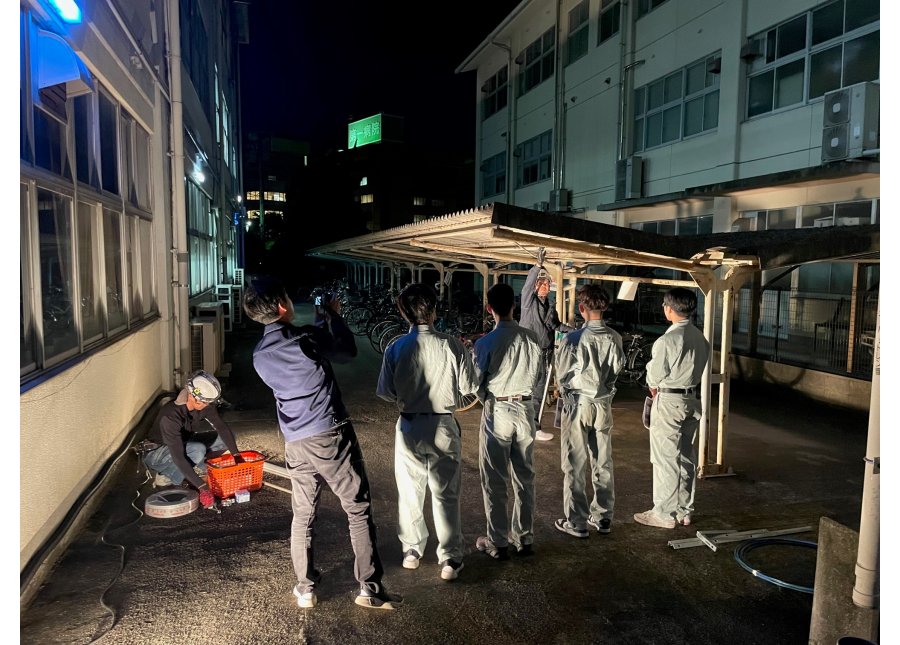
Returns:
point(389, 336)
point(467, 403)
point(637, 365)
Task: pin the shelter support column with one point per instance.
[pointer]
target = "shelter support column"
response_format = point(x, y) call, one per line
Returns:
point(557, 271)
point(440, 268)
point(483, 270)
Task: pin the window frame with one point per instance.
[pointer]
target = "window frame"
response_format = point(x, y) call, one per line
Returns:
point(678, 223)
point(537, 160)
point(497, 91)
point(580, 30)
point(608, 7)
point(537, 61)
point(493, 169)
point(761, 65)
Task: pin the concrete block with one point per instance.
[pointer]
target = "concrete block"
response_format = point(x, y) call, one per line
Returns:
point(833, 613)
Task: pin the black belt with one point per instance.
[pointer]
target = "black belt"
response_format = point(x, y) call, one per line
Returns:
point(680, 390)
point(517, 397)
point(410, 415)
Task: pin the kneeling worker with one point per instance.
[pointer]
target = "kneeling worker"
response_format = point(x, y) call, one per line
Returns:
point(181, 454)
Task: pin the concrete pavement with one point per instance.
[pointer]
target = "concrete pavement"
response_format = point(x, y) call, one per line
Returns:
point(227, 578)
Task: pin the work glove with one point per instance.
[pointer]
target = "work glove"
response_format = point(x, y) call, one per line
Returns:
point(542, 255)
point(207, 500)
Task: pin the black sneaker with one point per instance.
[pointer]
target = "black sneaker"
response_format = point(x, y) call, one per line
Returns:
point(524, 550)
point(570, 529)
point(602, 526)
point(374, 596)
point(450, 569)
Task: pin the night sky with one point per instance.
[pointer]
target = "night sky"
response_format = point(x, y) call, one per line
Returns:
point(312, 67)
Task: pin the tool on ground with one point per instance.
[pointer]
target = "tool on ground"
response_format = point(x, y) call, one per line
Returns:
point(713, 539)
point(171, 503)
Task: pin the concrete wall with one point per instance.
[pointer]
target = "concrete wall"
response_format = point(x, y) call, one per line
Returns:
point(819, 386)
point(71, 424)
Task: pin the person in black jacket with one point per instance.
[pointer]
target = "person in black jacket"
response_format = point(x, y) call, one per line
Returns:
point(183, 431)
point(539, 315)
point(320, 444)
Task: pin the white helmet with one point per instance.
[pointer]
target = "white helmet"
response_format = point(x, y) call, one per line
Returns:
point(204, 387)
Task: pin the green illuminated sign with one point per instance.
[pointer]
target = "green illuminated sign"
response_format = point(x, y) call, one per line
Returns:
point(364, 132)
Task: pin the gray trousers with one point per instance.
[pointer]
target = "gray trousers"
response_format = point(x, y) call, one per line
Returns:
point(333, 458)
point(674, 423)
point(427, 451)
point(506, 447)
point(538, 393)
point(586, 434)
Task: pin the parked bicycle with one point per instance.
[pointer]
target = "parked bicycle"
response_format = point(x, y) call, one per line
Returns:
point(637, 355)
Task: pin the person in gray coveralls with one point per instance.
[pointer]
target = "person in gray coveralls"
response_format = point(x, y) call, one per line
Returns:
point(673, 376)
point(587, 364)
point(507, 363)
point(426, 373)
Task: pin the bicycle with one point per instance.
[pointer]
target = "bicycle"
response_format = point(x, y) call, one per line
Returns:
point(637, 355)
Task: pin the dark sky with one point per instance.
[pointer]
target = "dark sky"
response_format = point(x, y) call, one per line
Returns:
point(311, 67)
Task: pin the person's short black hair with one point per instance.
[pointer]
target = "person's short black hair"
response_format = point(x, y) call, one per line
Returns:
point(417, 302)
point(683, 301)
point(501, 298)
point(593, 297)
point(262, 297)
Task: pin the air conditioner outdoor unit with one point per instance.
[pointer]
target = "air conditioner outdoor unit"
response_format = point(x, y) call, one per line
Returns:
point(850, 122)
point(629, 178)
point(213, 311)
point(205, 354)
point(560, 200)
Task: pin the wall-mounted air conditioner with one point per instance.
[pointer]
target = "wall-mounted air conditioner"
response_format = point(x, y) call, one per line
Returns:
point(850, 122)
point(560, 200)
point(205, 354)
point(629, 178)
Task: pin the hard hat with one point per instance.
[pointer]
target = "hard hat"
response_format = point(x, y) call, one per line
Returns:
point(204, 387)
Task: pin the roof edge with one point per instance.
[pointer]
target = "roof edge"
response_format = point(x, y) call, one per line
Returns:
point(465, 66)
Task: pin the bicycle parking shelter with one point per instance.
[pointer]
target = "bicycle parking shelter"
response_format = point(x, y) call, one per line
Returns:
point(488, 239)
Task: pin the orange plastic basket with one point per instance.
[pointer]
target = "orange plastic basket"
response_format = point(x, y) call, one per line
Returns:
point(225, 477)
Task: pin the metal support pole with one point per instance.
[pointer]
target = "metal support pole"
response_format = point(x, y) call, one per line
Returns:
point(724, 371)
point(570, 304)
point(851, 326)
point(866, 591)
point(709, 315)
point(440, 268)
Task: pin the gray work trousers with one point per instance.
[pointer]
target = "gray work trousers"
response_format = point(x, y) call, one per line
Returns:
point(506, 446)
point(674, 423)
point(334, 458)
point(427, 451)
point(537, 394)
point(586, 434)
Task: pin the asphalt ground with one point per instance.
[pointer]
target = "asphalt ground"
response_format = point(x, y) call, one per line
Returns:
point(227, 578)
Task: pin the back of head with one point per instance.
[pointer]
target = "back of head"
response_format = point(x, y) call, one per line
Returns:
point(417, 302)
point(262, 297)
point(682, 301)
point(593, 297)
point(501, 298)
point(204, 387)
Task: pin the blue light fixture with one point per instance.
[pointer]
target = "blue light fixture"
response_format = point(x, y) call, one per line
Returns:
point(67, 10)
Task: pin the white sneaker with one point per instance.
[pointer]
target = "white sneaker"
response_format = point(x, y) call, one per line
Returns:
point(540, 435)
point(450, 569)
point(685, 521)
point(305, 599)
point(649, 518)
point(411, 559)
point(161, 480)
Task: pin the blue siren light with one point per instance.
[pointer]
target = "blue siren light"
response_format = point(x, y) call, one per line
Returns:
point(68, 10)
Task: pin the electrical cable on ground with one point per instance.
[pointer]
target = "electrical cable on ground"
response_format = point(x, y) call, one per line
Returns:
point(106, 531)
point(750, 545)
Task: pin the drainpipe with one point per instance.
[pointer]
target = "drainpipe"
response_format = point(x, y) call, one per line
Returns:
point(866, 591)
point(510, 118)
point(559, 102)
point(180, 274)
point(626, 51)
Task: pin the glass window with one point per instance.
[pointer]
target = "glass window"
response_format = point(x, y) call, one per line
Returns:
point(789, 84)
point(693, 117)
point(711, 110)
point(817, 216)
point(688, 226)
point(671, 126)
point(493, 175)
point(762, 89)
point(57, 281)
point(666, 227)
point(539, 60)
point(861, 59)
point(24, 90)
point(828, 22)
point(781, 218)
point(115, 287)
point(145, 238)
point(610, 18)
point(791, 36)
point(89, 274)
point(534, 159)
point(83, 116)
point(50, 152)
point(132, 270)
point(26, 320)
point(127, 157)
point(495, 92)
point(695, 78)
point(142, 166)
point(577, 45)
point(853, 213)
point(825, 71)
point(673, 87)
point(861, 13)
point(109, 145)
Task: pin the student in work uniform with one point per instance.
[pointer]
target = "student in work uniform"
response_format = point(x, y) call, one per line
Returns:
point(426, 373)
point(507, 364)
point(673, 375)
point(587, 364)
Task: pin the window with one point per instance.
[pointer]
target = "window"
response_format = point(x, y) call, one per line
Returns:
point(819, 51)
point(699, 225)
point(201, 239)
point(367, 199)
point(26, 323)
point(418, 201)
point(610, 19)
point(646, 6)
point(132, 268)
point(57, 283)
point(577, 44)
point(852, 213)
point(493, 175)
point(495, 92)
point(253, 195)
point(89, 273)
point(273, 197)
point(109, 144)
point(84, 112)
point(145, 241)
point(534, 159)
point(112, 255)
point(679, 105)
point(142, 167)
point(226, 137)
point(538, 59)
point(50, 128)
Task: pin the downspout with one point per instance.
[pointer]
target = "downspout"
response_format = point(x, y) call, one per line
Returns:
point(626, 51)
point(180, 275)
point(510, 119)
point(558, 103)
point(866, 591)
